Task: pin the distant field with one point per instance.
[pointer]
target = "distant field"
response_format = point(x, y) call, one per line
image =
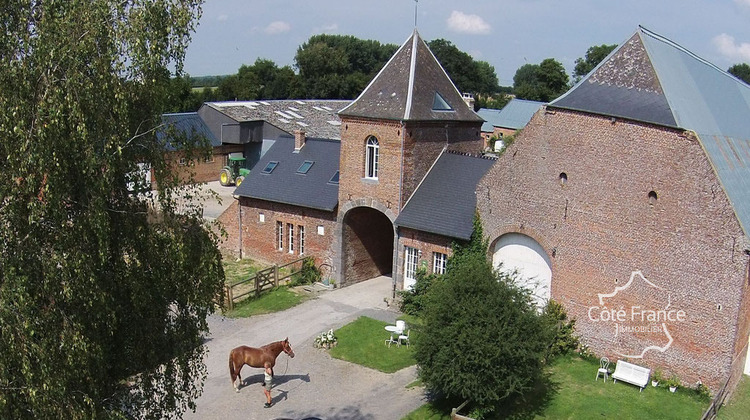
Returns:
point(199, 89)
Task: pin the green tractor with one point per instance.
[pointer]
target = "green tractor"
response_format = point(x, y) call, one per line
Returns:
point(234, 172)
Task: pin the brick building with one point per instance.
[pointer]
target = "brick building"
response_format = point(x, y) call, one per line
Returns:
point(628, 201)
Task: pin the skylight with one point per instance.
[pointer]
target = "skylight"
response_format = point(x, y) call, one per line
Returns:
point(270, 167)
point(306, 165)
point(335, 178)
point(439, 104)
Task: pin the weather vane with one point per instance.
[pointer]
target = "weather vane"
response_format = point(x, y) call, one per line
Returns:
point(416, 3)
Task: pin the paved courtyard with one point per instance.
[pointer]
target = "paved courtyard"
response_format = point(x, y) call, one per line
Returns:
point(312, 384)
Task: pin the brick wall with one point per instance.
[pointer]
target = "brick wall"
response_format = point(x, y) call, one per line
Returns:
point(259, 238)
point(368, 245)
point(426, 243)
point(598, 225)
point(413, 146)
point(203, 170)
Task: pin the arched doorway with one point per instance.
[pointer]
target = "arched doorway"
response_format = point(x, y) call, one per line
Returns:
point(367, 244)
point(519, 252)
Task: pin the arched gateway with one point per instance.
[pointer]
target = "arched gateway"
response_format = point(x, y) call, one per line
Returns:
point(367, 238)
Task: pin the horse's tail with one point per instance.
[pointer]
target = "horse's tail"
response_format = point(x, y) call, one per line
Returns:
point(232, 372)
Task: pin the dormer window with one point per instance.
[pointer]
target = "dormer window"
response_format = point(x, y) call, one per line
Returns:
point(440, 104)
point(371, 158)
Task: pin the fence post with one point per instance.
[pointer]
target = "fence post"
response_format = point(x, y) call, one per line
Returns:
point(276, 275)
point(230, 300)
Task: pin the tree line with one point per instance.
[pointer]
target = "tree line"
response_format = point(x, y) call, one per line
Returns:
point(341, 66)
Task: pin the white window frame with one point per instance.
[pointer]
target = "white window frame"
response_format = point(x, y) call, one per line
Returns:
point(439, 261)
point(279, 235)
point(372, 158)
point(290, 228)
point(411, 263)
point(301, 233)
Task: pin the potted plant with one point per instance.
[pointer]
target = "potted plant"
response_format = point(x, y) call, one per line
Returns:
point(673, 382)
point(655, 378)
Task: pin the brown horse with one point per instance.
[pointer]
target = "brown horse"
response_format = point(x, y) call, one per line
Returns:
point(256, 357)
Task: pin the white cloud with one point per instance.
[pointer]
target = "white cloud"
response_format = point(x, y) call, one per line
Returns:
point(469, 24)
point(277, 27)
point(731, 49)
point(743, 2)
point(327, 29)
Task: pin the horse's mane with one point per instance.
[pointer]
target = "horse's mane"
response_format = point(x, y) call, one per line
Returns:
point(269, 345)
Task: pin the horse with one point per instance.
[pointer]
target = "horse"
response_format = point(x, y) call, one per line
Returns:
point(256, 357)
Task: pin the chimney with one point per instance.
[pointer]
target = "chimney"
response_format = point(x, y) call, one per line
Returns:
point(469, 99)
point(299, 139)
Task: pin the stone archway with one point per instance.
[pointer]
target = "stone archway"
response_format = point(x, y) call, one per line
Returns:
point(367, 238)
point(519, 252)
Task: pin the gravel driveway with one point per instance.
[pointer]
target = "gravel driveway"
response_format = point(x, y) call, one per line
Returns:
point(312, 384)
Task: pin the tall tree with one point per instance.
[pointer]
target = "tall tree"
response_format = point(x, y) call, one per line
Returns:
point(741, 71)
point(103, 300)
point(482, 338)
point(338, 66)
point(594, 55)
point(540, 82)
point(468, 75)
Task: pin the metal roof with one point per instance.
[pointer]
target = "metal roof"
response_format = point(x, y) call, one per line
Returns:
point(408, 88)
point(188, 123)
point(445, 201)
point(514, 115)
point(285, 185)
point(652, 79)
point(319, 118)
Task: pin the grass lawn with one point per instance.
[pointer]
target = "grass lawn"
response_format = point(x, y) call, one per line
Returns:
point(363, 342)
point(235, 271)
point(276, 300)
point(738, 407)
point(572, 393)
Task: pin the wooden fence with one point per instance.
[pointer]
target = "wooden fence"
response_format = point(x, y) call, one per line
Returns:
point(260, 281)
point(717, 402)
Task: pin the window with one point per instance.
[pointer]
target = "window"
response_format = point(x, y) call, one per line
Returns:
point(290, 228)
point(209, 159)
point(262, 218)
point(270, 167)
point(321, 230)
point(301, 233)
point(279, 236)
point(438, 262)
point(411, 257)
point(371, 162)
point(183, 161)
point(440, 104)
point(306, 165)
point(335, 178)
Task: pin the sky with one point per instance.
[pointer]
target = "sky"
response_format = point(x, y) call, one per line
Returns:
point(505, 33)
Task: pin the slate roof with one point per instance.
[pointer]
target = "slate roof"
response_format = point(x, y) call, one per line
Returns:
point(189, 123)
point(405, 89)
point(285, 185)
point(652, 79)
point(318, 118)
point(514, 115)
point(445, 202)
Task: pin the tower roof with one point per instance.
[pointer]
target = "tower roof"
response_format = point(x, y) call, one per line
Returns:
point(412, 86)
point(651, 79)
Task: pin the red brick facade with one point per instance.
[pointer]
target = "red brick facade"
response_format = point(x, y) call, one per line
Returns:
point(607, 197)
point(260, 238)
point(202, 170)
point(428, 244)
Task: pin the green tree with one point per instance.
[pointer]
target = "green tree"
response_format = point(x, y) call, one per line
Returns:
point(482, 338)
point(103, 300)
point(594, 55)
point(540, 82)
point(741, 71)
point(468, 75)
point(338, 66)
